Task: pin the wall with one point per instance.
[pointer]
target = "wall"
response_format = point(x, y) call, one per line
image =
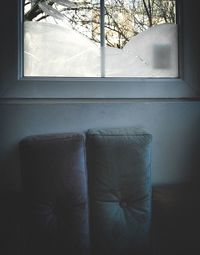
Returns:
point(173, 124)
point(30, 107)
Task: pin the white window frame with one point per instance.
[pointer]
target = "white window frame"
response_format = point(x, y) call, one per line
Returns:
point(17, 86)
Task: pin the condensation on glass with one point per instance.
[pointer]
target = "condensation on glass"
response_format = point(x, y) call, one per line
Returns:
point(110, 38)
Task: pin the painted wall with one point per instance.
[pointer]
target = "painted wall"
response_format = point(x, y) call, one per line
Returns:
point(167, 111)
point(174, 125)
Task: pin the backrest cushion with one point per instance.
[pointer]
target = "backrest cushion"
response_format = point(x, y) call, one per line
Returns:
point(54, 185)
point(119, 169)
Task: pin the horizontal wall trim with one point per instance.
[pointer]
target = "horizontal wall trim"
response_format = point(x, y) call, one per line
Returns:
point(92, 100)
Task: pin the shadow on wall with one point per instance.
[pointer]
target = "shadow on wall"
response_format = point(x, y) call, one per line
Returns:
point(10, 201)
point(10, 170)
point(194, 163)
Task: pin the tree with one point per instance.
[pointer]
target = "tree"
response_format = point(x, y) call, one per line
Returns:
point(123, 18)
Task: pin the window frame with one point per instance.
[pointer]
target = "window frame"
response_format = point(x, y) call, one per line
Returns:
point(97, 88)
point(102, 54)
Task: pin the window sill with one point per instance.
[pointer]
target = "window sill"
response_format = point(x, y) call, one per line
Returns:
point(104, 88)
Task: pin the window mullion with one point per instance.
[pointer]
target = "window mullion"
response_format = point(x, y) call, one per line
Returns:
point(102, 36)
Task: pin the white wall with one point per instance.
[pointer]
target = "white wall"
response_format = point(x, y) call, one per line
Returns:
point(174, 123)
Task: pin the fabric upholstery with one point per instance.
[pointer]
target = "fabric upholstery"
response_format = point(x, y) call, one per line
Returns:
point(119, 167)
point(54, 184)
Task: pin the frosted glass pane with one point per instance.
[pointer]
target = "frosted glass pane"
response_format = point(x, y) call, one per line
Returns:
point(152, 53)
point(52, 50)
point(141, 38)
point(63, 39)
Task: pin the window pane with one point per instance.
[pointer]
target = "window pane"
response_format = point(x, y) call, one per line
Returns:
point(140, 38)
point(63, 38)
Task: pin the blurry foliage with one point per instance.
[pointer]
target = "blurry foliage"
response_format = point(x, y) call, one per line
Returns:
point(123, 18)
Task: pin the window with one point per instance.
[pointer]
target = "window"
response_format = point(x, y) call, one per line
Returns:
point(14, 85)
point(107, 38)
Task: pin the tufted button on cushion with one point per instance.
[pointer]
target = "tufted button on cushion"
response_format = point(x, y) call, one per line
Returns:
point(123, 204)
point(119, 170)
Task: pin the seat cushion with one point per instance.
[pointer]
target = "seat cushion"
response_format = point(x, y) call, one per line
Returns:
point(119, 170)
point(54, 185)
